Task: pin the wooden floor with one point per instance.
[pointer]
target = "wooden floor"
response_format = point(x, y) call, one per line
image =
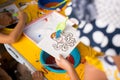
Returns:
point(7, 62)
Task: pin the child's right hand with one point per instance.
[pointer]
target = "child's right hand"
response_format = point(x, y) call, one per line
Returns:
point(22, 16)
point(64, 63)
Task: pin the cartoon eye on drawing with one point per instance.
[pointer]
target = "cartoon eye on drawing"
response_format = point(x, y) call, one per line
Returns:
point(65, 41)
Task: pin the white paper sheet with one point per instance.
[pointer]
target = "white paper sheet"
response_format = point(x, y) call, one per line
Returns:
point(40, 33)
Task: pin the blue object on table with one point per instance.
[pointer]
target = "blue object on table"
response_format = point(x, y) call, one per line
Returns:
point(58, 33)
point(75, 54)
point(42, 3)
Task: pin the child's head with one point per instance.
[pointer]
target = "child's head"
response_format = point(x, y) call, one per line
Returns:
point(5, 18)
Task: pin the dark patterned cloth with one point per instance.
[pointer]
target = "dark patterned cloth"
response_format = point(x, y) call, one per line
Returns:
point(83, 10)
point(93, 32)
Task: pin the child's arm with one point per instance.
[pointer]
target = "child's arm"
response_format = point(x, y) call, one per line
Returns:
point(63, 63)
point(17, 31)
point(92, 73)
point(73, 74)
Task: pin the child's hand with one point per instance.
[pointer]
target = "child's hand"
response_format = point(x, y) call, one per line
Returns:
point(63, 63)
point(22, 16)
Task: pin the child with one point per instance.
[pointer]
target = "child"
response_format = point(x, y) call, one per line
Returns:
point(102, 68)
point(66, 65)
point(5, 19)
point(63, 63)
point(96, 68)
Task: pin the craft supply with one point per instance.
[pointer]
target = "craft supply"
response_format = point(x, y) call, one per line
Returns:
point(74, 58)
point(58, 33)
point(48, 5)
point(52, 65)
point(51, 4)
point(60, 27)
point(59, 4)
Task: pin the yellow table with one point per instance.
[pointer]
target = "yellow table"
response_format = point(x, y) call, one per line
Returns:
point(31, 52)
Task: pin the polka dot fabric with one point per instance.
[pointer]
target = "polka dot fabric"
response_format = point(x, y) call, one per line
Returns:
point(99, 34)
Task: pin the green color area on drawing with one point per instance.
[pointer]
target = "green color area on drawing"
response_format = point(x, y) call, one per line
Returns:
point(61, 26)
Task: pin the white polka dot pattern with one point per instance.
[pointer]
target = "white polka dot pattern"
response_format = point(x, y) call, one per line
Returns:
point(85, 40)
point(68, 11)
point(97, 49)
point(81, 25)
point(74, 20)
point(103, 33)
point(116, 40)
point(100, 23)
point(110, 29)
point(98, 36)
point(88, 28)
point(110, 52)
point(104, 42)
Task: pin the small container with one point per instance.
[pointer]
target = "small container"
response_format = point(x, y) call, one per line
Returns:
point(75, 55)
point(51, 4)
